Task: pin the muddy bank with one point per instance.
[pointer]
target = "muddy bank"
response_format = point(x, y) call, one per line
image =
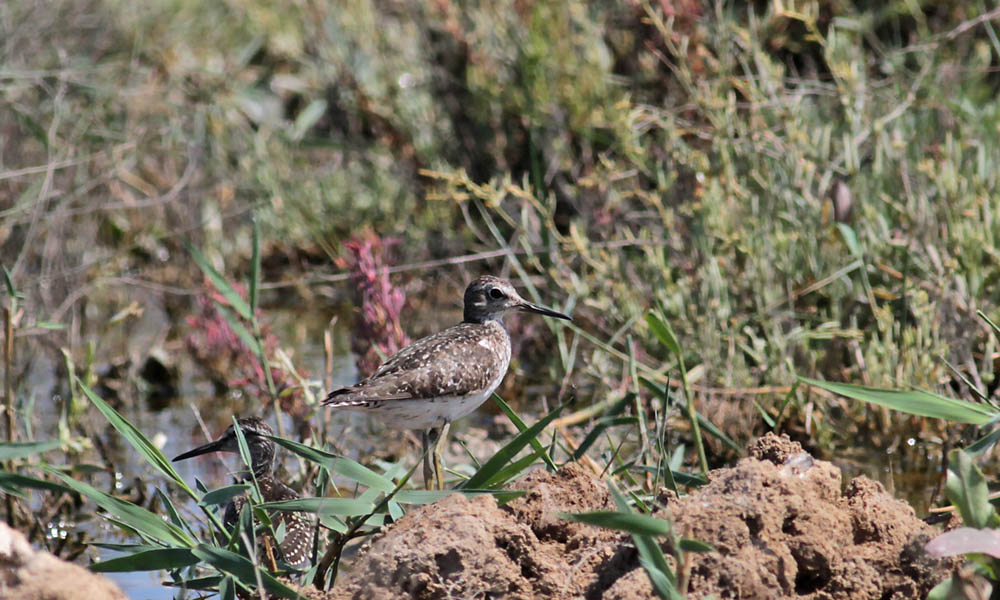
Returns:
point(27, 574)
point(779, 521)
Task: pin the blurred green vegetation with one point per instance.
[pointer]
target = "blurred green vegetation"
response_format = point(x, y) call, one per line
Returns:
point(679, 156)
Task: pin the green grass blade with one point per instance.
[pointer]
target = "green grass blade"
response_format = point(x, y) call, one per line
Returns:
point(350, 507)
point(220, 284)
point(915, 402)
point(993, 326)
point(595, 432)
point(13, 483)
point(14, 450)
point(196, 583)
point(227, 588)
point(171, 511)
point(223, 495)
point(240, 330)
point(150, 560)
point(242, 569)
point(510, 471)
point(718, 433)
point(621, 521)
point(136, 517)
point(338, 464)
point(663, 331)
point(508, 452)
point(650, 554)
point(255, 267)
point(690, 545)
point(661, 582)
point(966, 488)
point(980, 446)
point(135, 437)
point(519, 423)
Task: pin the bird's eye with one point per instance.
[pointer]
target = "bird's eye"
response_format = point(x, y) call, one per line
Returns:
point(496, 294)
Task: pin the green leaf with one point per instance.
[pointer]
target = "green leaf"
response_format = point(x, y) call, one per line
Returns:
point(503, 456)
point(135, 437)
point(307, 118)
point(660, 580)
point(338, 464)
point(519, 423)
point(915, 402)
point(993, 326)
point(664, 332)
point(242, 569)
point(650, 554)
point(717, 433)
point(227, 588)
point(220, 284)
point(150, 560)
point(255, 266)
point(197, 583)
point(690, 545)
point(850, 239)
point(980, 446)
point(13, 483)
point(171, 510)
point(223, 495)
point(133, 516)
point(682, 477)
point(595, 432)
point(966, 488)
point(323, 506)
point(240, 330)
point(510, 471)
point(9, 284)
point(621, 521)
point(51, 325)
point(13, 450)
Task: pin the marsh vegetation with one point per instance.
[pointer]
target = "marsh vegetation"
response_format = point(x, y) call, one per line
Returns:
point(223, 209)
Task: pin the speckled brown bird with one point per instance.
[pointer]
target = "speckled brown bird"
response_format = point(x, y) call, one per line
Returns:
point(296, 547)
point(442, 377)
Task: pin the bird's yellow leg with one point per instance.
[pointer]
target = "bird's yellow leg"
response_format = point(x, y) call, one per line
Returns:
point(426, 443)
point(438, 449)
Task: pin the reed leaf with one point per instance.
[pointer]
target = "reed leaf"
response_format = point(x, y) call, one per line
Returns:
point(242, 569)
point(914, 402)
point(621, 521)
point(136, 438)
point(15, 450)
point(131, 515)
point(220, 284)
point(493, 466)
point(149, 560)
point(338, 464)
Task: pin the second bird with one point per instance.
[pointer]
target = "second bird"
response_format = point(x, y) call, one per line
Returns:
point(296, 546)
point(442, 377)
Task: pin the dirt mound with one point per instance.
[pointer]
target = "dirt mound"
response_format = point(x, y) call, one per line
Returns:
point(779, 523)
point(26, 574)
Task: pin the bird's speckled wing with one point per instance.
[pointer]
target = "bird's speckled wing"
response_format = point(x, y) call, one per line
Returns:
point(458, 361)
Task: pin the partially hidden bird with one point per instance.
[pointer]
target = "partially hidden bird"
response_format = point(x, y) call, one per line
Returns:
point(444, 376)
point(296, 547)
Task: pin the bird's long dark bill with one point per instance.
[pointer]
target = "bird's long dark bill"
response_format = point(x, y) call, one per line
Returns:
point(209, 447)
point(541, 310)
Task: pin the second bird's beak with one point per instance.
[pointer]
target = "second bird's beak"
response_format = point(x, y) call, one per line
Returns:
point(526, 306)
point(209, 447)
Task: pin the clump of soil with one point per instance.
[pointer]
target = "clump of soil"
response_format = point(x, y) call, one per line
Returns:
point(27, 574)
point(779, 522)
